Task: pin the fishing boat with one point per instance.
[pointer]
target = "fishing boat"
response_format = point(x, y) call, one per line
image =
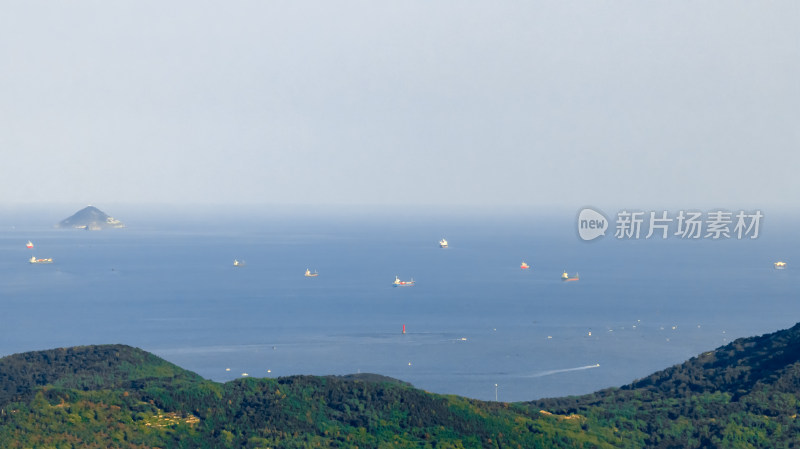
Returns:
point(780, 265)
point(29, 245)
point(398, 283)
point(238, 263)
point(309, 274)
point(524, 266)
point(443, 243)
point(565, 277)
point(35, 260)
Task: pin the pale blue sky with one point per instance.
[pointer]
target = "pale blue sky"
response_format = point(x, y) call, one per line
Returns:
point(623, 103)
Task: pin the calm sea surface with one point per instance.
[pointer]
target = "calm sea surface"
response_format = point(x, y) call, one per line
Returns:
point(473, 320)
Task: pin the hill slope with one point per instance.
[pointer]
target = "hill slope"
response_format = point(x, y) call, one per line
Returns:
point(118, 396)
point(83, 368)
point(744, 394)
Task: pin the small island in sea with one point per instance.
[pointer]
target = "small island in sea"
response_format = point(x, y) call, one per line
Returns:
point(91, 219)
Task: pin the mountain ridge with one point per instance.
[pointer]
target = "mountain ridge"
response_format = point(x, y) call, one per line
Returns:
point(743, 394)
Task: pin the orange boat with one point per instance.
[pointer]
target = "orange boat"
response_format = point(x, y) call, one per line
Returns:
point(524, 266)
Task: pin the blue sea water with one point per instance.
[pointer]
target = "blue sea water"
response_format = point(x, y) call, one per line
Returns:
point(474, 319)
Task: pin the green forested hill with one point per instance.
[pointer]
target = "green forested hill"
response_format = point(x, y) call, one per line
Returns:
point(118, 396)
point(742, 395)
point(82, 368)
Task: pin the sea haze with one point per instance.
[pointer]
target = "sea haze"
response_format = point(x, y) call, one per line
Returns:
point(474, 319)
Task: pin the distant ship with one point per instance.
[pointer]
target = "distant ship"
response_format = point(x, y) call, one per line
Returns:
point(524, 266)
point(443, 243)
point(29, 244)
point(35, 260)
point(565, 277)
point(398, 283)
point(238, 263)
point(780, 265)
point(309, 274)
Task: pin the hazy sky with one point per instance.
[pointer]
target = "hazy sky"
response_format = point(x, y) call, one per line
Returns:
point(631, 103)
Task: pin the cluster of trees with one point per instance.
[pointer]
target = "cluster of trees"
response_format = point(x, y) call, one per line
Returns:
point(742, 395)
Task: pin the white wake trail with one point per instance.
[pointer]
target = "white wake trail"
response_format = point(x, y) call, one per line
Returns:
point(565, 370)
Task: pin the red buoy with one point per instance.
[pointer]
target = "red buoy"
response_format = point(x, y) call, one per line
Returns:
point(404, 328)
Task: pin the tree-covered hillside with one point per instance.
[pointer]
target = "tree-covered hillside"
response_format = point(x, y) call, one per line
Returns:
point(742, 395)
point(118, 396)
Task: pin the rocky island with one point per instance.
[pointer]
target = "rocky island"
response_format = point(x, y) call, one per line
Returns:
point(90, 218)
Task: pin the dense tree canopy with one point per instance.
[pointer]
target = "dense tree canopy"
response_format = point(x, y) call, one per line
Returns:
point(742, 395)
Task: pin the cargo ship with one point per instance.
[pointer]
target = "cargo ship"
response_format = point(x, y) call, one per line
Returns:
point(780, 265)
point(238, 263)
point(398, 283)
point(35, 260)
point(309, 274)
point(565, 277)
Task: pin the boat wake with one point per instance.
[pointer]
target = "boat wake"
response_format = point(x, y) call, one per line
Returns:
point(565, 370)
